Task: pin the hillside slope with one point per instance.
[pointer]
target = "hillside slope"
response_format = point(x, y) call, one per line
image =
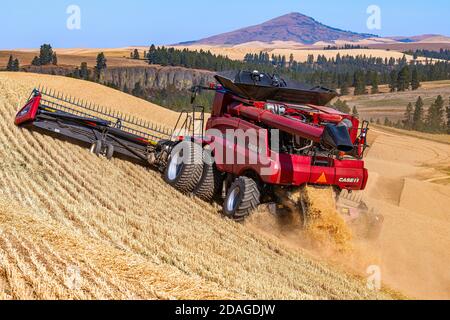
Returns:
point(126, 231)
point(410, 186)
point(294, 27)
point(393, 105)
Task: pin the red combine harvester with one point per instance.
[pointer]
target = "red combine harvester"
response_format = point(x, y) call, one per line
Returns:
point(264, 140)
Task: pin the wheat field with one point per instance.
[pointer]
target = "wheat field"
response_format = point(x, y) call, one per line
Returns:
point(74, 226)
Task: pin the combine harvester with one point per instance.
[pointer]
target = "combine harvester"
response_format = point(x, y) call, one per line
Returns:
point(264, 143)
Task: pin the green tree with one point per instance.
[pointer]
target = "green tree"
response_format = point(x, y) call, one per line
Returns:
point(291, 60)
point(355, 112)
point(16, 65)
point(344, 88)
point(9, 66)
point(341, 106)
point(36, 61)
point(101, 65)
point(393, 80)
point(46, 55)
point(54, 59)
point(415, 83)
point(84, 71)
point(360, 83)
point(409, 117)
point(435, 116)
point(418, 122)
point(152, 54)
point(375, 81)
point(136, 54)
point(403, 80)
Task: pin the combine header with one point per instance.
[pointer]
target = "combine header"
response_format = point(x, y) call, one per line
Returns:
point(109, 132)
point(264, 141)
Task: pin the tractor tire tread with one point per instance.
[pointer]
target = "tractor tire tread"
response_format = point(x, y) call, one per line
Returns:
point(250, 200)
point(191, 175)
point(210, 182)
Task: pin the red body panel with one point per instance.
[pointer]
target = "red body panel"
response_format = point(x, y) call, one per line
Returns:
point(293, 127)
point(277, 169)
point(238, 158)
point(28, 113)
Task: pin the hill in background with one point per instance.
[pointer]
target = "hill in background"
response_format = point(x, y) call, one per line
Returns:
point(294, 27)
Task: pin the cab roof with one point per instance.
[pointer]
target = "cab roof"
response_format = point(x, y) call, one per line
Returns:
point(265, 87)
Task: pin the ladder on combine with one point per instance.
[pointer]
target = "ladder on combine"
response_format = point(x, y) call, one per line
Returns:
point(190, 123)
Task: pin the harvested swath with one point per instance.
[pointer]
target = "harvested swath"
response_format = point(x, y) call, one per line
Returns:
point(116, 205)
point(53, 256)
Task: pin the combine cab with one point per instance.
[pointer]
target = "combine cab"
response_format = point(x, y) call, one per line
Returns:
point(265, 141)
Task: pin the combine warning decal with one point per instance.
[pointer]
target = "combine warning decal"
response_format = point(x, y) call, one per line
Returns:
point(322, 179)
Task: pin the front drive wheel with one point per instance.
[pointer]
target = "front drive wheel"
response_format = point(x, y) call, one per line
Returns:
point(96, 147)
point(210, 183)
point(185, 167)
point(242, 199)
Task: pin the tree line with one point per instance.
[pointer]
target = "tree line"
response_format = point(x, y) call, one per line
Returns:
point(435, 120)
point(46, 57)
point(340, 72)
point(345, 47)
point(83, 72)
point(443, 54)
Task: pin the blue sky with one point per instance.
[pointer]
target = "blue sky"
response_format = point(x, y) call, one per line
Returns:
point(112, 23)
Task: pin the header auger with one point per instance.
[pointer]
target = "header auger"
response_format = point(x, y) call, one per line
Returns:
point(264, 140)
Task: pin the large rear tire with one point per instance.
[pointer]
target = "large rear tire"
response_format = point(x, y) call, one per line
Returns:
point(242, 199)
point(185, 167)
point(109, 151)
point(211, 181)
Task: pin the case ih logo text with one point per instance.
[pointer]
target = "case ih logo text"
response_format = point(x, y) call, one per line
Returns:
point(349, 180)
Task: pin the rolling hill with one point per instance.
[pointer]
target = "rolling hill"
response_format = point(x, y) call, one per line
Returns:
point(393, 105)
point(294, 27)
